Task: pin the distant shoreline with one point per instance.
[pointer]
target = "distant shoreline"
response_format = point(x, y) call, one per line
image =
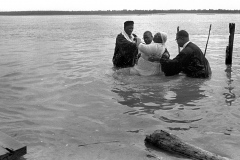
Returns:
point(117, 12)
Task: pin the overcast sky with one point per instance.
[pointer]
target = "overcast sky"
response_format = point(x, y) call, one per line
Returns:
point(78, 5)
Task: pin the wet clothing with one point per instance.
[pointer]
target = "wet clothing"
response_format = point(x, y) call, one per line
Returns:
point(190, 61)
point(144, 67)
point(125, 53)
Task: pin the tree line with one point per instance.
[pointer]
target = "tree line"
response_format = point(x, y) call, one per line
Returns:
point(117, 12)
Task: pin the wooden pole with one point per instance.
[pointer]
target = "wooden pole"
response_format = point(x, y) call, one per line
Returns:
point(178, 45)
point(207, 40)
point(229, 48)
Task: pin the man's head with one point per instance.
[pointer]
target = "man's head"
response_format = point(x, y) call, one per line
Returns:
point(128, 27)
point(147, 37)
point(182, 37)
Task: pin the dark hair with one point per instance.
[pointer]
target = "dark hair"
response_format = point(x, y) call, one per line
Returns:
point(147, 32)
point(128, 23)
point(182, 33)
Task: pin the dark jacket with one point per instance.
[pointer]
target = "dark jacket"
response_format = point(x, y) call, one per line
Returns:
point(125, 53)
point(190, 61)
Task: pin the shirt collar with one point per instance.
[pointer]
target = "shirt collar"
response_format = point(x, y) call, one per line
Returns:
point(185, 44)
point(127, 37)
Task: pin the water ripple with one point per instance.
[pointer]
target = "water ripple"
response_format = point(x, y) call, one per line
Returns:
point(178, 121)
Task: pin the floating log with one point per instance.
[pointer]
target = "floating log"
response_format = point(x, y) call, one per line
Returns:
point(171, 143)
point(229, 48)
point(10, 149)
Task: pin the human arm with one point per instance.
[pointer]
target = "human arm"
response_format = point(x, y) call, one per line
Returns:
point(135, 37)
point(125, 52)
point(146, 49)
point(124, 43)
point(138, 41)
point(165, 55)
point(125, 48)
point(174, 66)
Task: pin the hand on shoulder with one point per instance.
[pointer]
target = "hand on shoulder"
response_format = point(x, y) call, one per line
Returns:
point(154, 59)
point(138, 41)
point(166, 54)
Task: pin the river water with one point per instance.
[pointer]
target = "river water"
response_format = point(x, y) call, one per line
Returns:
point(60, 96)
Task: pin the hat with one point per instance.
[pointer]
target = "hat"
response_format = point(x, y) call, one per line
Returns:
point(128, 23)
point(182, 33)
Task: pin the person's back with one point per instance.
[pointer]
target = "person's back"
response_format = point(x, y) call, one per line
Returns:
point(153, 49)
point(196, 62)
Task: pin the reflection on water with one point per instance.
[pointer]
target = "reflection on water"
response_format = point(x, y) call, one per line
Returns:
point(187, 92)
point(55, 94)
point(230, 96)
point(149, 94)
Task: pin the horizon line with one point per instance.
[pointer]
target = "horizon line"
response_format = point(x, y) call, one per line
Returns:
point(123, 10)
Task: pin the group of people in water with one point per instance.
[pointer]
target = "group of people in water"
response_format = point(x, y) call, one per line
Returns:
point(151, 57)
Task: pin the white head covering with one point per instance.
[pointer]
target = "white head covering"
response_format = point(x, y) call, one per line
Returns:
point(160, 37)
point(164, 37)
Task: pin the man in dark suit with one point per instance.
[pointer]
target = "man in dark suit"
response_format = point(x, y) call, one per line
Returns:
point(190, 60)
point(125, 53)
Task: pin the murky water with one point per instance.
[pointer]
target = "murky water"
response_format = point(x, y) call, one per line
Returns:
point(60, 96)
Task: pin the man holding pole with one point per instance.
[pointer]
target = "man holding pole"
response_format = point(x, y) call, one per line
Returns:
point(190, 60)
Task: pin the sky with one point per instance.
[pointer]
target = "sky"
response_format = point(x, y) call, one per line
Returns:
point(83, 5)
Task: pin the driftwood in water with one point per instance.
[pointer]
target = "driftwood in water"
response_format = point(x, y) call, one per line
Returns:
point(168, 142)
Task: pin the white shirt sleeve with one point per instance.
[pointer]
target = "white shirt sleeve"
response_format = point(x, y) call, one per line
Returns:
point(146, 49)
